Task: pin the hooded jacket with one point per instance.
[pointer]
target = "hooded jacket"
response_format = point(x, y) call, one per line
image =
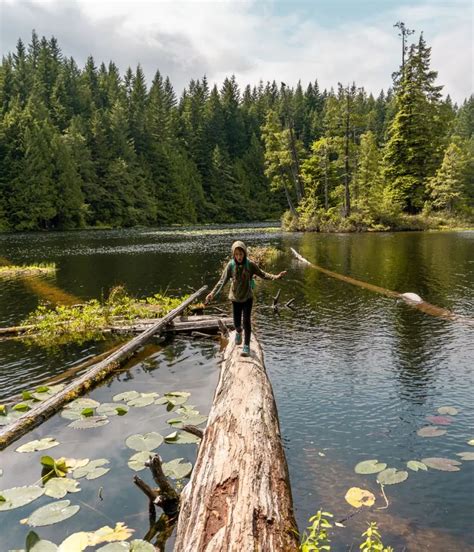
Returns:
point(241, 275)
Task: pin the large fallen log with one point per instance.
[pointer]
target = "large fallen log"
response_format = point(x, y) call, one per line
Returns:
point(239, 497)
point(95, 374)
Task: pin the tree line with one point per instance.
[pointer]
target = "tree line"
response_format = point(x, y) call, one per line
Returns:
point(90, 147)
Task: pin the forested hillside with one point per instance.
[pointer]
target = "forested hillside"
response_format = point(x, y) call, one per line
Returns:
point(90, 147)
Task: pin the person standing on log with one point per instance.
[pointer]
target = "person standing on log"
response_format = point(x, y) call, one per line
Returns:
point(241, 270)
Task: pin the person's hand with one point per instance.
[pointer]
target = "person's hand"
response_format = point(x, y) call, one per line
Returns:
point(284, 273)
point(209, 298)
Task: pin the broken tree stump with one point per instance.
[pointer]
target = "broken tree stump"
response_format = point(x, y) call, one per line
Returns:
point(239, 496)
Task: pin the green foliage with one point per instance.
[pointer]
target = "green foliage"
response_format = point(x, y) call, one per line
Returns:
point(87, 146)
point(80, 323)
point(373, 540)
point(317, 538)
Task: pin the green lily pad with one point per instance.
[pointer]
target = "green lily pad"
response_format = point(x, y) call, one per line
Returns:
point(139, 545)
point(369, 466)
point(19, 496)
point(22, 407)
point(58, 487)
point(110, 409)
point(391, 476)
point(145, 399)
point(71, 414)
point(87, 412)
point(430, 431)
point(181, 438)
point(52, 513)
point(92, 470)
point(467, 456)
point(177, 469)
point(83, 402)
point(188, 420)
point(137, 461)
point(3, 410)
point(44, 392)
point(449, 410)
point(415, 465)
point(11, 417)
point(161, 400)
point(42, 444)
point(126, 396)
point(442, 464)
point(147, 442)
point(89, 423)
point(35, 544)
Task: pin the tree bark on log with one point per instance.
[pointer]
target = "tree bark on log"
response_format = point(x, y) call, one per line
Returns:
point(95, 374)
point(239, 497)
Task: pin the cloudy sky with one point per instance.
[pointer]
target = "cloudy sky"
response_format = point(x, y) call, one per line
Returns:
point(329, 40)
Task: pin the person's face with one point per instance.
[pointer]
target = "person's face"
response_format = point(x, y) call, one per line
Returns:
point(239, 255)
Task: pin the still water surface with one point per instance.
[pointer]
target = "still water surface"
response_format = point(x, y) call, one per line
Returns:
point(354, 373)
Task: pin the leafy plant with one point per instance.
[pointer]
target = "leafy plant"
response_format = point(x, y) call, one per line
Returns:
point(373, 540)
point(317, 537)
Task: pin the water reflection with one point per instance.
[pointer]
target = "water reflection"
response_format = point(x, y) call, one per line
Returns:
point(354, 373)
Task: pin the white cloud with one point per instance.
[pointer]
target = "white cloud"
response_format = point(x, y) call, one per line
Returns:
point(186, 39)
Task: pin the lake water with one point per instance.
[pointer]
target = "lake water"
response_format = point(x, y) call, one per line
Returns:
point(355, 374)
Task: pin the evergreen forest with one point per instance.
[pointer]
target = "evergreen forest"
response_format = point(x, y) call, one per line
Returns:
point(89, 147)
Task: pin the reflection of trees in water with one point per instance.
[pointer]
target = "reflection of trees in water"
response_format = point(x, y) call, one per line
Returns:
point(417, 352)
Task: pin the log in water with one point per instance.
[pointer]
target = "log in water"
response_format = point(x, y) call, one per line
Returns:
point(239, 496)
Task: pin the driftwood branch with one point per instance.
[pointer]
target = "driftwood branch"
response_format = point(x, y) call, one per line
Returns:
point(168, 498)
point(223, 327)
point(194, 430)
point(239, 497)
point(95, 374)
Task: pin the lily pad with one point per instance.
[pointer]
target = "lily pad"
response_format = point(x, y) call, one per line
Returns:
point(161, 400)
point(145, 399)
point(147, 442)
point(471, 442)
point(450, 410)
point(83, 402)
point(58, 487)
point(19, 496)
point(442, 464)
point(137, 461)
point(181, 438)
point(177, 469)
point(52, 513)
point(71, 414)
point(430, 431)
point(116, 547)
point(89, 423)
point(440, 420)
point(3, 410)
point(42, 444)
point(92, 470)
point(35, 544)
point(22, 407)
point(415, 465)
point(357, 497)
point(391, 476)
point(108, 534)
point(111, 409)
point(188, 420)
point(468, 456)
point(369, 466)
point(126, 396)
point(11, 417)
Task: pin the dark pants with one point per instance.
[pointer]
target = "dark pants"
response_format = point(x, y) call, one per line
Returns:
point(244, 308)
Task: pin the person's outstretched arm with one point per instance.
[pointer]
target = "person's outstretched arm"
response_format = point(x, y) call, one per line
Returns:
point(225, 277)
point(266, 275)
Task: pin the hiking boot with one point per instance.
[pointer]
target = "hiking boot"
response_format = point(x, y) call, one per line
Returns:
point(238, 338)
point(246, 351)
